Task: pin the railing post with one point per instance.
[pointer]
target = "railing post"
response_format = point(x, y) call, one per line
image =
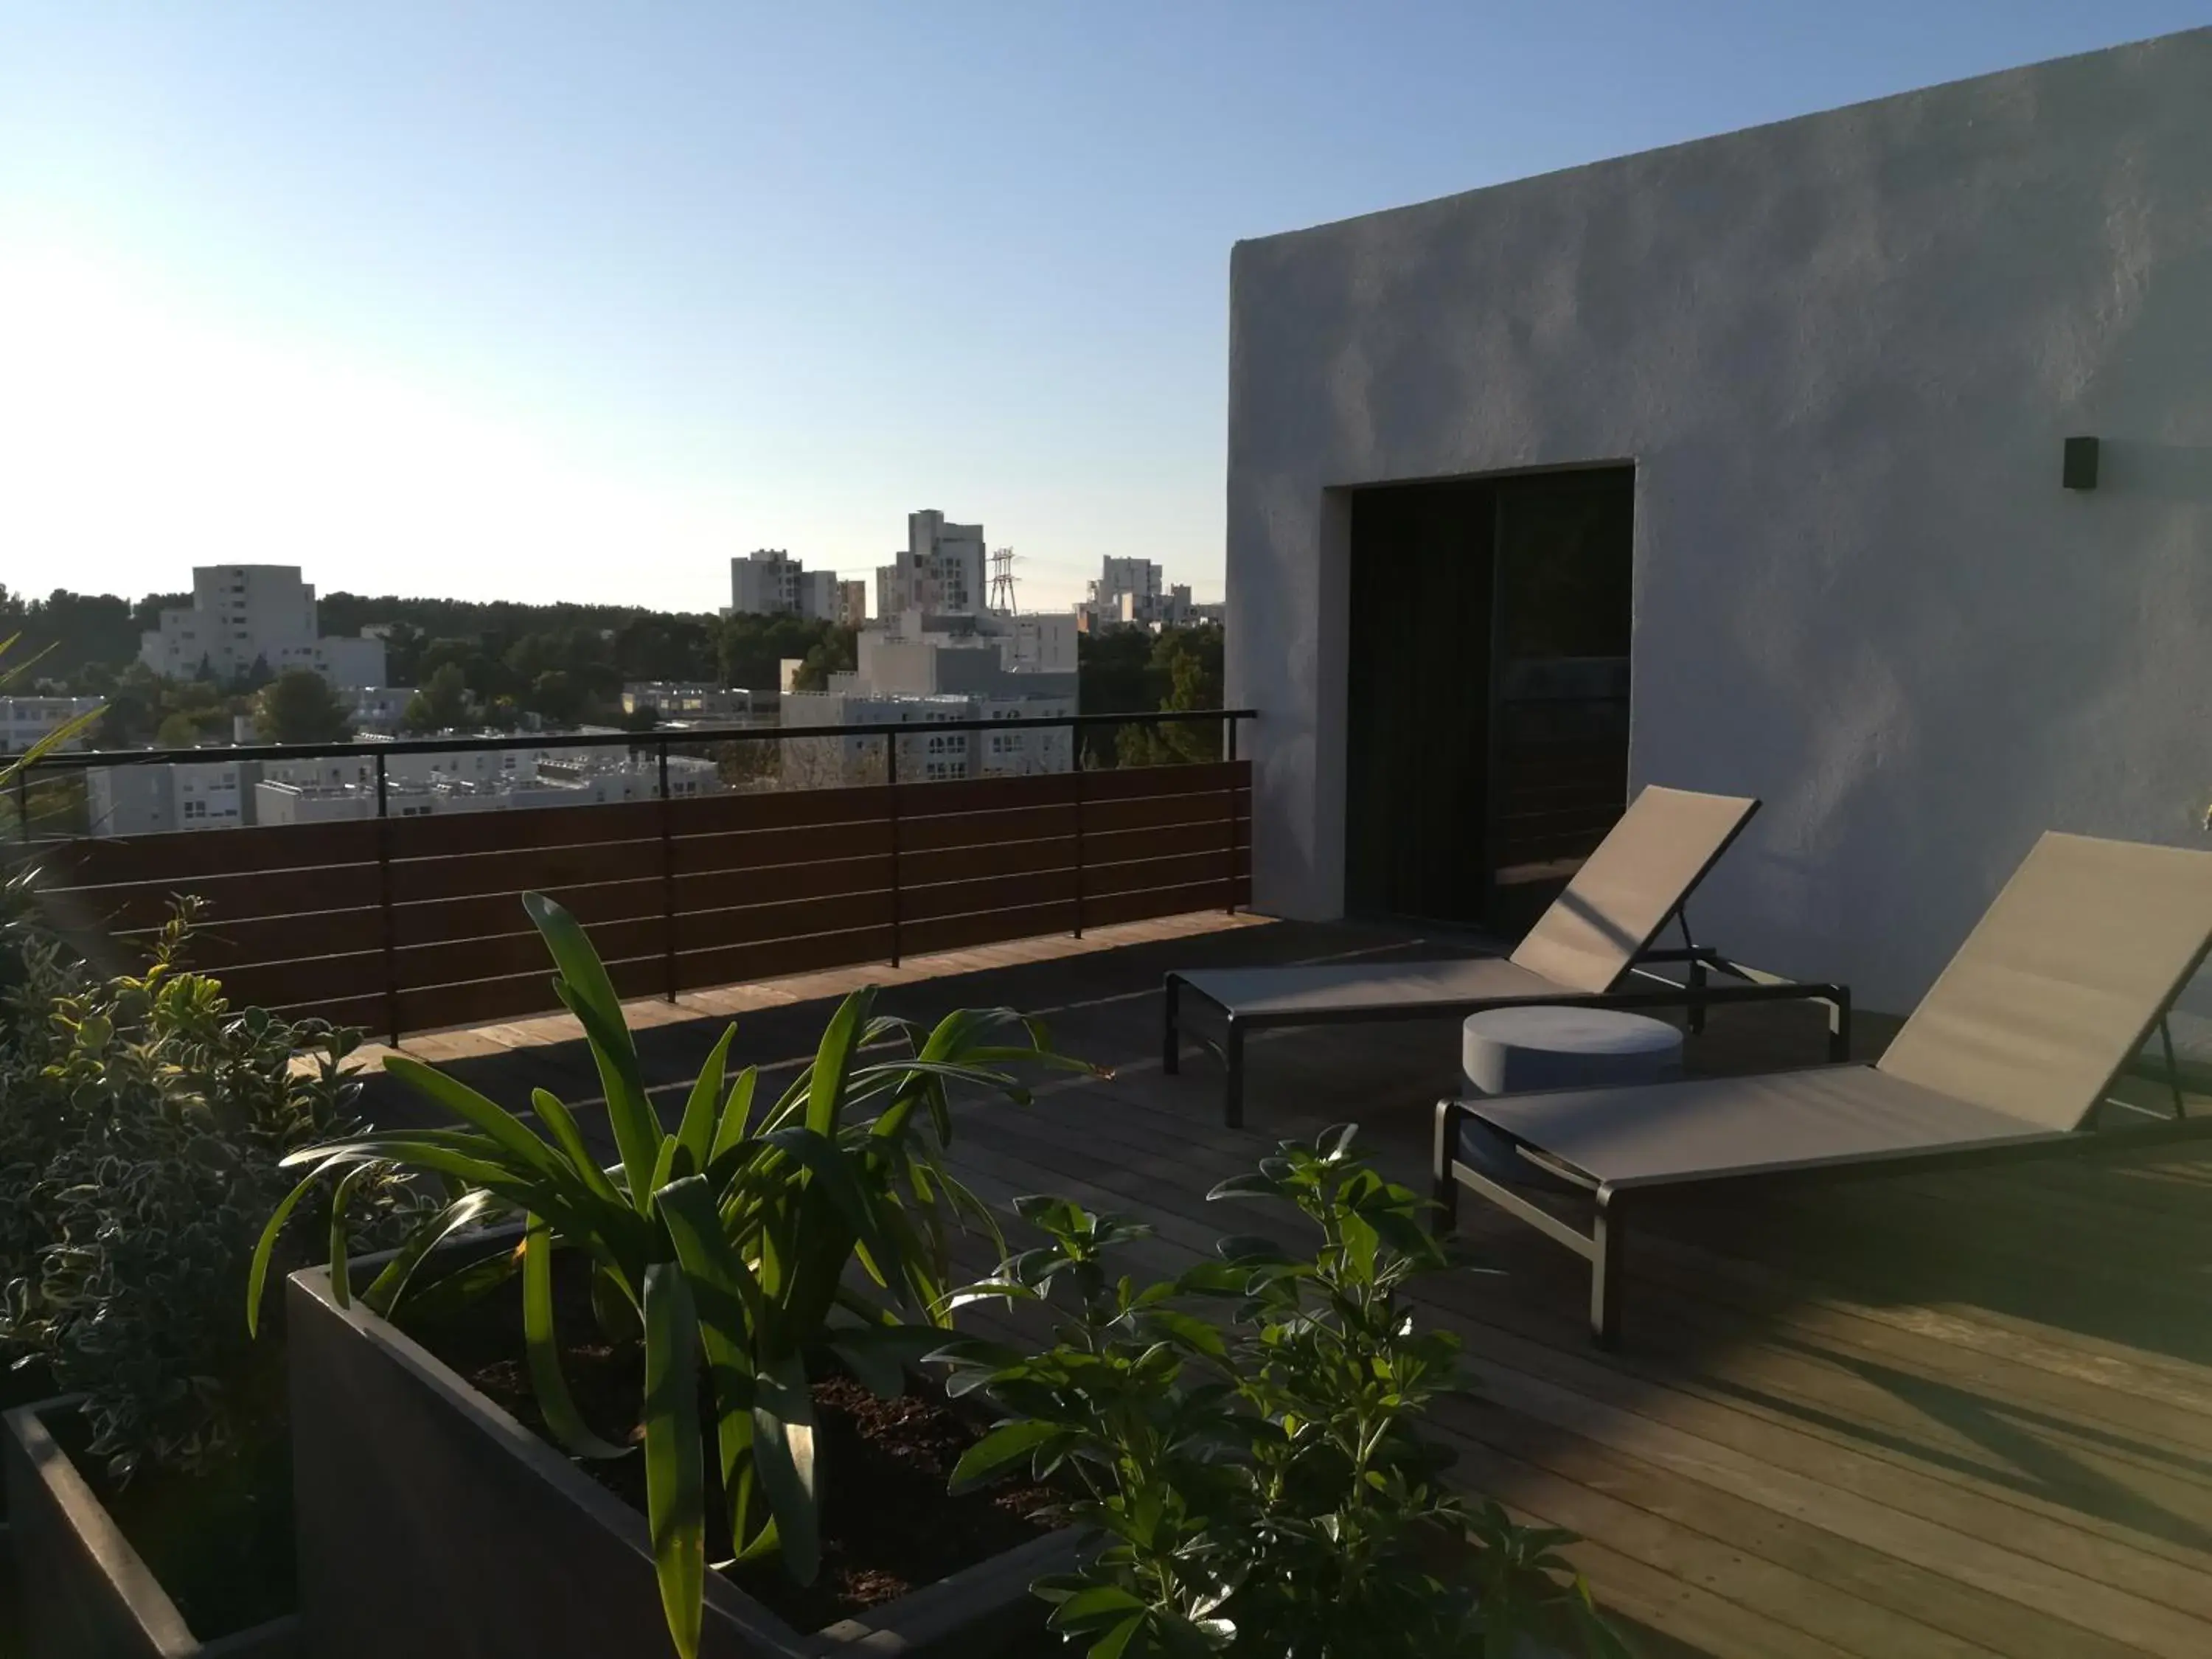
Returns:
point(1229, 871)
point(1075, 742)
point(667, 882)
point(890, 786)
point(384, 903)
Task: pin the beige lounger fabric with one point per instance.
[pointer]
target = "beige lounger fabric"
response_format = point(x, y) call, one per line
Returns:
point(1703, 1127)
point(2018, 1040)
point(2062, 979)
point(1610, 912)
point(1622, 896)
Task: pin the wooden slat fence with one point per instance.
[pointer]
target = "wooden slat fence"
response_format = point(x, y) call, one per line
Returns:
point(409, 924)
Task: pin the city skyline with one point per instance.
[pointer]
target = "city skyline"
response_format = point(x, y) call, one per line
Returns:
point(523, 307)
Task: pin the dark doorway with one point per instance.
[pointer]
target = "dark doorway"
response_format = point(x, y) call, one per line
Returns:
point(1487, 743)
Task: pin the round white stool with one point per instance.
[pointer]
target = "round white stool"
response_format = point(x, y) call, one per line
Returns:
point(1512, 1051)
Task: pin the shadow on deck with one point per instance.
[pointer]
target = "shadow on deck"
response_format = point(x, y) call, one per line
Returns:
point(1965, 1414)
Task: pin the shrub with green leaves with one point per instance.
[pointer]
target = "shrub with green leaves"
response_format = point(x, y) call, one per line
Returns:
point(144, 1121)
point(724, 1243)
point(1261, 1484)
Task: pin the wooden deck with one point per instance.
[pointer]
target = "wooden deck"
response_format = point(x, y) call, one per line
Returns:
point(1970, 1415)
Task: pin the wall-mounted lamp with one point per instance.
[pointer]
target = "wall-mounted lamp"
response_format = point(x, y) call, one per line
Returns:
point(2079, 471)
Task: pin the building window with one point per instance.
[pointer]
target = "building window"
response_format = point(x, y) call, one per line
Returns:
point(195, 809)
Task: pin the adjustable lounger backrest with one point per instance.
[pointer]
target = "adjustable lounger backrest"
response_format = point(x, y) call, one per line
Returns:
point(2061, 980)
point(1628, 889)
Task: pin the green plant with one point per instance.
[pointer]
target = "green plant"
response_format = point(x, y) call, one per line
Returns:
point(142, 1125)
point(723, 1242)
point(1264, 1488)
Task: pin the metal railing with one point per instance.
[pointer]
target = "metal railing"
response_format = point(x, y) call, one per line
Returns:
point(655, 740)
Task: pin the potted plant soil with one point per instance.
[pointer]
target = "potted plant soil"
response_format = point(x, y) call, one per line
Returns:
point(686, 1425)
point(142, 1126)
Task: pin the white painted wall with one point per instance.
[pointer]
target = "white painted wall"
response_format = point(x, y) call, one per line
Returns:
point(1843, 352)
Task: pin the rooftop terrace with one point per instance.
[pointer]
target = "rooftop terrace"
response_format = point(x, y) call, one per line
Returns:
point(1957, 1415)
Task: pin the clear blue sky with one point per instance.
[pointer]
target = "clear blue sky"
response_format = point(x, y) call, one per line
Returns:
point(573, 301)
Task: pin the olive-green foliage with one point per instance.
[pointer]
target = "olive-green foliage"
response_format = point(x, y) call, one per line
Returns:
point(1263, 1485)
point(142, 1121)
point(723, 1244)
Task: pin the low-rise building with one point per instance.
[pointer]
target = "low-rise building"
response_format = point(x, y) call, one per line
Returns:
point(150, 799)
point(255, 618)
point(674, 700)
point(25, 720)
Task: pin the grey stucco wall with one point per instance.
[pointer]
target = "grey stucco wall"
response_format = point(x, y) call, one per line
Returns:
point(1843, 352)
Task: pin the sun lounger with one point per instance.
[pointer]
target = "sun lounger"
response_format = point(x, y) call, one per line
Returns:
point(1595, 946)
point(2008, 1056)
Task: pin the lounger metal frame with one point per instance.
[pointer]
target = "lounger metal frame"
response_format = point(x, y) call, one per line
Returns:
point(1695, 994)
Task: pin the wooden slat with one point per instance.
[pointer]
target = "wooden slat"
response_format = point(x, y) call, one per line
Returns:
point(1012, 858)
point(1165, 901)
point(541, 869)
point(496, 955)
point(265, 893)
point(951, 932)
point(99, 862)
point(721, 889)
point(369, 1014)
point(309, 980)
point(1143, 875)
point(780, 809)
point(217, 944)
point(433, 920)
point(443, 835)
point(924, 800)
point(1134, 782)
point(1156, 812)
point(432, 1007)
point(1120, 845)
point(759, 850)
point(987, 829)
point(736, 964)
point(990, 893)
point(757, 924)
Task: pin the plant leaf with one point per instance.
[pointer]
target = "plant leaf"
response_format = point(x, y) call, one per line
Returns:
point(1008, 1443)
point(694, 1132)
point(542, 1348)
point(675, 1486)
point(783, 1455)
point(833, 1060)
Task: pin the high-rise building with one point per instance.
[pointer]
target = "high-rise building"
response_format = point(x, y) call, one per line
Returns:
point(940, 571)
point(1134, 593)
point(250, 618)
point(852, 605)
point(769, 582)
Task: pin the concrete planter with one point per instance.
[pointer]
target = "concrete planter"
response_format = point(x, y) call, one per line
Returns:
point(430, 1520)
point(83, 1591)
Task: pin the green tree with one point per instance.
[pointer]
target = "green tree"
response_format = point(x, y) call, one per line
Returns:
point(837, 652)
point(1189, 659)
point(443, 702)
point(178, 731)
point(299, 706)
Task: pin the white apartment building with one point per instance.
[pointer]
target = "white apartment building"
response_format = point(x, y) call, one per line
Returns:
point(247, 614)
point(924, 756)
point(926, 669)
point(674, 700)
point(769, 582)
point(146, 800)
point(381, 710)
point(941, 570)
point(577, 777)
point(852, 605)
point(24, 720)
point(1134, 593)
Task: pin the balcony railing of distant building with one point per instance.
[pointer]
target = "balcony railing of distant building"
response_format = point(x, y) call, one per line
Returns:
point(411, 923)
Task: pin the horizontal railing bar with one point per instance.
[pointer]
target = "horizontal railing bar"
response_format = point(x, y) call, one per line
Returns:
point(77, 761)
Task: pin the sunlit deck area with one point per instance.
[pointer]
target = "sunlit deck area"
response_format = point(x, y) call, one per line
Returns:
point(1964, 1414)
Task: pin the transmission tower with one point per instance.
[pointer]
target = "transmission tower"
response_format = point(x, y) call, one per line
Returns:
point(1002, 580)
